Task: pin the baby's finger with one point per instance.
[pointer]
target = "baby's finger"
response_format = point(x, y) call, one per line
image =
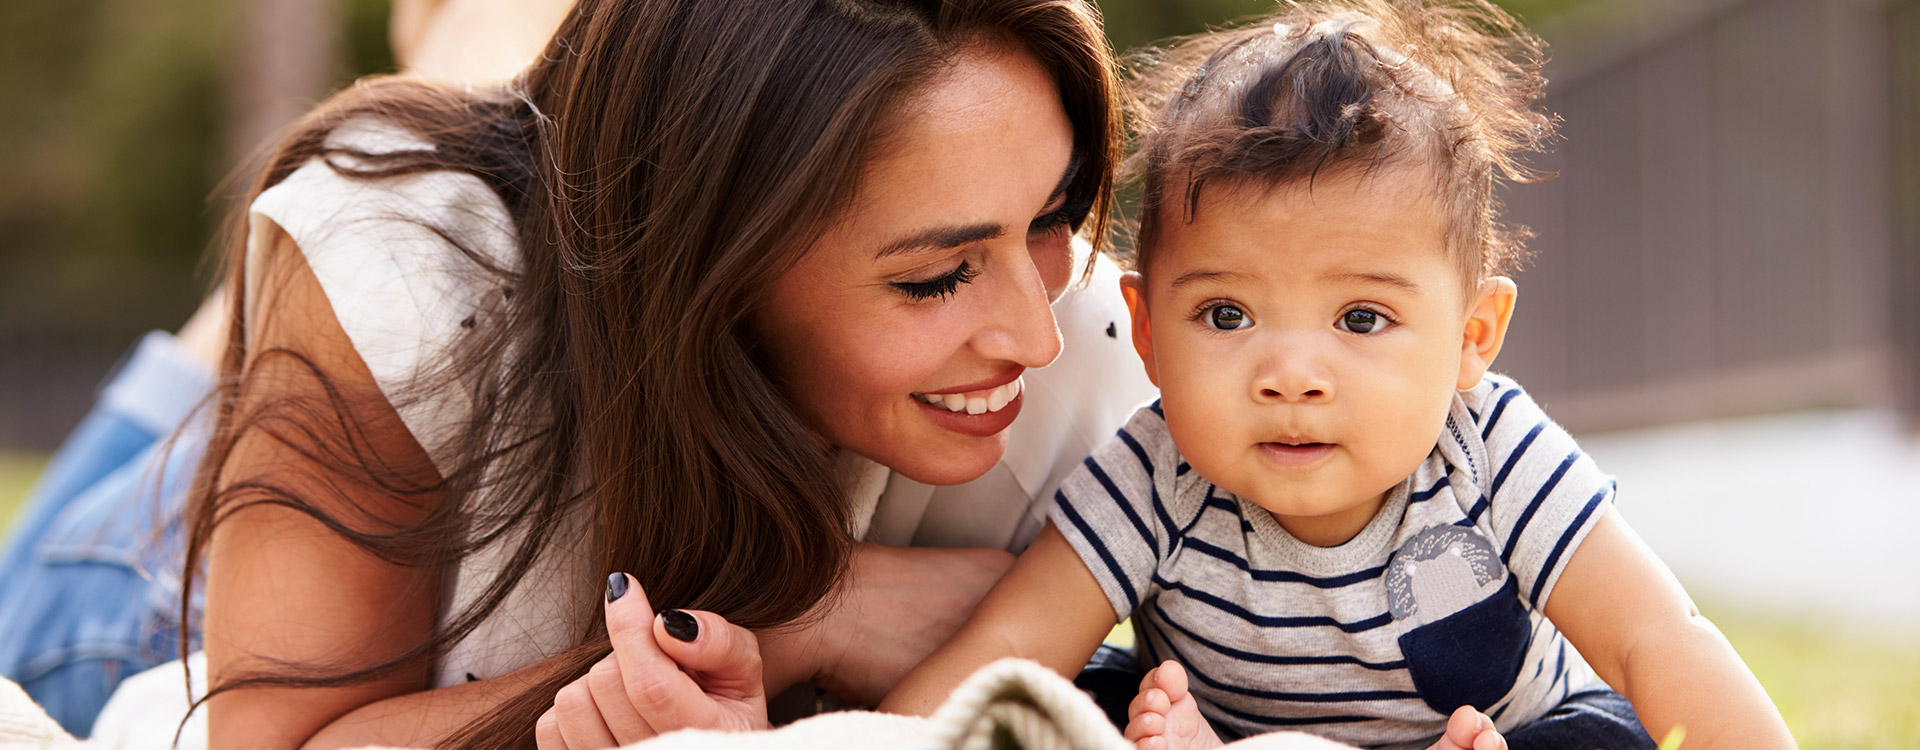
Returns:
point(1173, 679)
point(610, 694)
point(724, 657)
point(580, 724)
point(1145, 725)
point(1150, 699)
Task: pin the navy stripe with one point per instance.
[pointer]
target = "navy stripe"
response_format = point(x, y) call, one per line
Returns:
point(1285, 576)
point(1268, 621)
point(1272, 695)
point(1560, 547)
point(1160, 614)
point(1494, 417)
point(1126, 506)
point(1428, 493)
point(1539, 499)
point(1182, 469)
point(1289, 721)
point(1514, 457)
point(1100, 548)
point(1155, 406)
point(1159, 509)
point(1497, 711)
point(1138, 452)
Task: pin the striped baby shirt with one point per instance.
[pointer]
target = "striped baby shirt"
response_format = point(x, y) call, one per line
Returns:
point(1435, 604)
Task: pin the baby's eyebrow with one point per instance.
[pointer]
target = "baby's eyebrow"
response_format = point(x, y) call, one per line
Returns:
point(1386, 279)
point(1194, 277)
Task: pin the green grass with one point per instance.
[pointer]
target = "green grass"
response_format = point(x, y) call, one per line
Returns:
point(17, 472)
point(1839, 688)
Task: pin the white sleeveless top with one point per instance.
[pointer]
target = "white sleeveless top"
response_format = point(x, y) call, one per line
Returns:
point(403, 295)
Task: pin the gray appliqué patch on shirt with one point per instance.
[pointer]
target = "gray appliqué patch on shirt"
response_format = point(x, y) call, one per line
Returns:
point(1440, 571)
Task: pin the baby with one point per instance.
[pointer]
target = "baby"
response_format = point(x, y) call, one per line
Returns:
point(1336, 520)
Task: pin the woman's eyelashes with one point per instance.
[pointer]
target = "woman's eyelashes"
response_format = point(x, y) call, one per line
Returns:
point(940, 286)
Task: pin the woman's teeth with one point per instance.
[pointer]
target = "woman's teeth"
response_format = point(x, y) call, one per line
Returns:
point(993, 400)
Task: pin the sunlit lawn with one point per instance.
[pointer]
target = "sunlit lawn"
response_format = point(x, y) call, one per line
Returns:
point(1838, 690)
point(17, 472)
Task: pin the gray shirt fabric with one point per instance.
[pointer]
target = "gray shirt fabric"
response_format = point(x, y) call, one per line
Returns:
point(1435, 604)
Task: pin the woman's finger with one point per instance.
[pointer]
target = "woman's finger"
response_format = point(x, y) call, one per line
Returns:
point(580, 724)
point(725, 657)
point(658, 690)
point(610, 694)
point(546, 732)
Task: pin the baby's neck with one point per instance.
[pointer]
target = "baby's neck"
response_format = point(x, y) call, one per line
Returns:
point(1332, 529)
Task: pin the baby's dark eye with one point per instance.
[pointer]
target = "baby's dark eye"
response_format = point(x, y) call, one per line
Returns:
point(1362, 321)
point(1227, 318)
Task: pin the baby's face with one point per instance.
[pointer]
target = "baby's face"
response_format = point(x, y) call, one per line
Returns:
point(1307, 341)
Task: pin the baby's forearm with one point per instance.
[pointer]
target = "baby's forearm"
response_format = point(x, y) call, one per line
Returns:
point(1689, 676)
point(1048, 609)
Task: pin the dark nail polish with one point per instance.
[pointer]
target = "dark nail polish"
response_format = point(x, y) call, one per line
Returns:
point(616, 586)
point(681, 625)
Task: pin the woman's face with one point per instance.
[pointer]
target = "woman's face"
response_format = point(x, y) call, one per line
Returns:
point(934, 284)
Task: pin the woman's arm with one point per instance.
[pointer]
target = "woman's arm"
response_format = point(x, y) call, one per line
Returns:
point(284, 593)
point(1049, 608)
point(1624, 611)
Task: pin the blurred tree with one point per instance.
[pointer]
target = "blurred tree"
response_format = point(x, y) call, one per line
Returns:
point(123, 123)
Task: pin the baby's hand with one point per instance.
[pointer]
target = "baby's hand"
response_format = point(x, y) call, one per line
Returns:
point(1165, 716)
point(1468, 729)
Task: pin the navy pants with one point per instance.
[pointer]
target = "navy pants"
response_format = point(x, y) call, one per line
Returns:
point(1598, 719)
point(89, 580)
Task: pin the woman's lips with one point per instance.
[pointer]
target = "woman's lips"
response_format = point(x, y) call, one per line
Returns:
point(1293, 455)
point(980, 413)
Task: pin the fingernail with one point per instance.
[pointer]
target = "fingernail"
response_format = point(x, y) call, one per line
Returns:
point(616, 586)
point(681, 625)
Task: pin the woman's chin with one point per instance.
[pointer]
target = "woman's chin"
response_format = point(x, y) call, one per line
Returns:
point(938, 456)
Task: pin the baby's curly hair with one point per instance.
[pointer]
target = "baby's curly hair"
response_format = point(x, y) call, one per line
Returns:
point(1450, 85)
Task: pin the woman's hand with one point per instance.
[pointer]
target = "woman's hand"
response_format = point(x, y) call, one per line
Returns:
point(897, 605)
point(677, 670)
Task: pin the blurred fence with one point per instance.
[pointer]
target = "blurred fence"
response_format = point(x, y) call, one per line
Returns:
point(1733, 227)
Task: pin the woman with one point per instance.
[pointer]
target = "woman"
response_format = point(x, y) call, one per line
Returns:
point(87, 589)
point(705, 297)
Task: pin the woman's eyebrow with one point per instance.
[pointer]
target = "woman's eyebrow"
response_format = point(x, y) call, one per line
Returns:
point(941, 238)
point(947, 238)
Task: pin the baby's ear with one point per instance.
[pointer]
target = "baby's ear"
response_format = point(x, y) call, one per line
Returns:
point(1133, 288)
point(1486, 329)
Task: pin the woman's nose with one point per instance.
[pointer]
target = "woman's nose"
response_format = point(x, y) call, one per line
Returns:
point(1292, 372)
point(1020, 327)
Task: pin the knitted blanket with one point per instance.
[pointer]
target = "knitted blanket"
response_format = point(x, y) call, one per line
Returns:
point(1008, 705)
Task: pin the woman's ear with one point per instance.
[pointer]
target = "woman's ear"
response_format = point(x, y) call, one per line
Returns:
point(1133, 287)
point(1486, 329)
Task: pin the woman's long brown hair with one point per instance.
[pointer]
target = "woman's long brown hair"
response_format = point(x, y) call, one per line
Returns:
point(664, 162)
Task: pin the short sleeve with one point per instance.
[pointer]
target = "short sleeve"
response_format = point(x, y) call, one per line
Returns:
point(1115, 512)
point(1545, 494)
point(409, 263)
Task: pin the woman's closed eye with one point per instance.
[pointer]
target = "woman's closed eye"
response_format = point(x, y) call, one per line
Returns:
point(1066, 217)
point(940, 286)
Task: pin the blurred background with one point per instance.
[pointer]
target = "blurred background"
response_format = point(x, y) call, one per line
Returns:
point(1724, 304)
